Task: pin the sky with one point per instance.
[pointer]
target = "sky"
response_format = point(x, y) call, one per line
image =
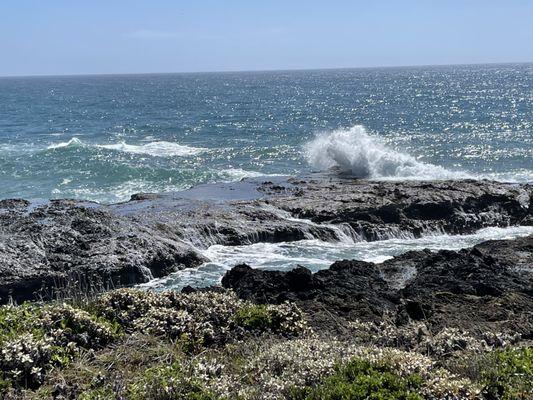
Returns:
point(57, 37)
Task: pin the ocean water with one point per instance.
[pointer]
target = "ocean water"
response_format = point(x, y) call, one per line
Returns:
point(104, 138)
point(317, 255)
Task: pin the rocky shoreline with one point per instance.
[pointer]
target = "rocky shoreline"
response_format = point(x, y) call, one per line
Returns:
point(422, 325)
point(53, 244)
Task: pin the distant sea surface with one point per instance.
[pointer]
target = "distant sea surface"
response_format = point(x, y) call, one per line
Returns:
point(103, 138)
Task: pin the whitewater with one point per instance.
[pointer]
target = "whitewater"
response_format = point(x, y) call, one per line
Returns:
point(355, 153)
point(155, 149)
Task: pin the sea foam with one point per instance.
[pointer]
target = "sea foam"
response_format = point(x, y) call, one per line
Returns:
point(316, 254)
point(154, 149)
point(354, 152)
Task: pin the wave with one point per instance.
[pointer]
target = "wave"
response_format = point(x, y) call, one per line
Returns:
point(354, 152)
point(74, 142)
point(155, 149)
point(236, 174)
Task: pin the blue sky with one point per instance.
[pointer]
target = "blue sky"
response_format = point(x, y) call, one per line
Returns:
point(119, 36)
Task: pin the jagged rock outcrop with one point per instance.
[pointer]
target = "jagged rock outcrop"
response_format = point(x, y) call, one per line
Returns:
point(67, 243)
point(488, 287)
point(378, 209)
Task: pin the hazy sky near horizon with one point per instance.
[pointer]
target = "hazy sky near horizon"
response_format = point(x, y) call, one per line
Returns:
point(130, 36)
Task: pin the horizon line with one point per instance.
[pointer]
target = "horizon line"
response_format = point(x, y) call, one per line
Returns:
point(229, 71)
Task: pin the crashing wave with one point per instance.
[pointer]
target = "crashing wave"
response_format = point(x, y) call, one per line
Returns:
point(74, 142)
point(354, 152)
point(155, 149)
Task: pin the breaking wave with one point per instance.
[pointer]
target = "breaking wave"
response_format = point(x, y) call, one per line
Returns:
point(236, 174)
point(154, 149)
point(354, 152)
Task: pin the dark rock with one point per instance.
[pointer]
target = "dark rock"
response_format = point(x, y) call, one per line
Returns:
point(59, 244)
point(43, 245)
point(300, 279)
point(486, 288)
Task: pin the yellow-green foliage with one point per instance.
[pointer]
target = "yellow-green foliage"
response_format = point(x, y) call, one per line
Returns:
point(254, 317)
point(508, 374)
point(362, 380)
point(285, 319)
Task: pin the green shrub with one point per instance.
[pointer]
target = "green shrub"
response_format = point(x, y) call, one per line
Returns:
point(284, 319)
point(361, 380)
point(127, 305)
point(18, 320)
point(104, 393)
point(34, 338)
point(254, 317)
point(508, 374)
point(71, 325)
point(206, 318)
point(167, 383)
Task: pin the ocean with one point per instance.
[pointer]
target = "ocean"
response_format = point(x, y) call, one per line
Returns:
point(103, 138)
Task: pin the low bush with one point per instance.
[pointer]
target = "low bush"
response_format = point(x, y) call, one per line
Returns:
point(361, 380)
point(167, 383)
point(278, 368)
point(70, 325)
point(508, 374)
point(203, 318)
point(35, 338)
point(285, 319)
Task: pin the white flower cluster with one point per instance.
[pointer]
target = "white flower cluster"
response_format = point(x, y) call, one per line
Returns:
point(451, 340)
point(165, 321)
point(417, 336)
point(127, 305)
point(35, 338)
point(205, 317)
point(287, 319)
point(273, 370)
point(67, 324)
point(23, 360)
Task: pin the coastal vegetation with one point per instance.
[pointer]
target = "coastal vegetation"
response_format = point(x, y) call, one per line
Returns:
point(134, 344)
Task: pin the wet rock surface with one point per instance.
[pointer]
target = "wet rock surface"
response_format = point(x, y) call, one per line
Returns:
point(80, 245)
point(484, 288)
point(56, 243)
point(378, 209)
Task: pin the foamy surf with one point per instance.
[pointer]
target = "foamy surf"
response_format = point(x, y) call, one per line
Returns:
point(74, 142)
point(354, 152)
point(154, 149)
point(236, 174)
point(317, 254)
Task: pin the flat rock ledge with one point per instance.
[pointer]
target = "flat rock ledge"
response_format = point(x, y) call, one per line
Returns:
point(47, 246)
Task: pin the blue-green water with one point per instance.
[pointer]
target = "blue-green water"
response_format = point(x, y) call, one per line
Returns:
point(105, 137)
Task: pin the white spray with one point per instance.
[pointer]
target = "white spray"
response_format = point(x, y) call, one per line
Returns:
point(353, 151)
